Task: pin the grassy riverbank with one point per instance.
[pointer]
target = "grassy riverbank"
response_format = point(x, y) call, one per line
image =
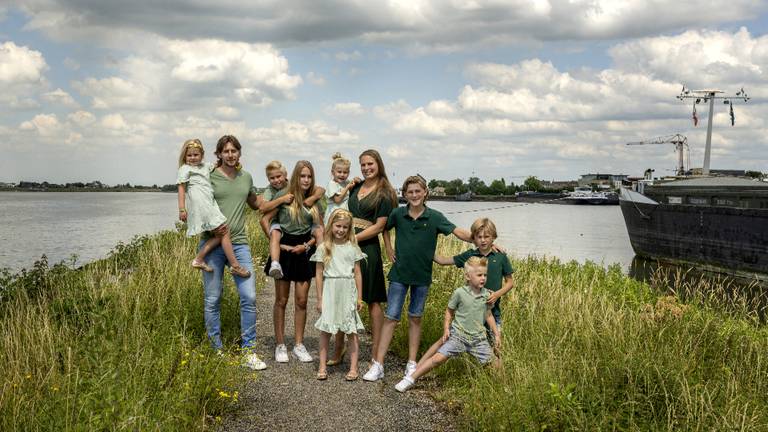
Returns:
point(586, 348)
point(116, 345)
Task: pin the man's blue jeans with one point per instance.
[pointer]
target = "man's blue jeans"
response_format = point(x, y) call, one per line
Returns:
point(246, 289)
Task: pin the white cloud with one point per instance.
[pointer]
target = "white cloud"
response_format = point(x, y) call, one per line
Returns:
point(114, 122)
point(345, 109)
point(315, 79)
point(21, 65)
point(45, 125)
point(348, 56)
point(227, 112)
point(81, 118)
point(60, 97)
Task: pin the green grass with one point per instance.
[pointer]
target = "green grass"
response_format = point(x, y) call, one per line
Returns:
point(116, 345)
point(588, 348)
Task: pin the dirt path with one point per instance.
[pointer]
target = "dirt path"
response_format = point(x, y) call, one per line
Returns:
point(288, 397)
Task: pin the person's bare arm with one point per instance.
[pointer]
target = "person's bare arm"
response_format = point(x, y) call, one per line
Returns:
point(268, 206)
point(492, 324)
point(505, 288)
point(463, 234)
point(447, 319)
point(316, 195)
point(182, 203)
point(373, 230)
point(442, 260)
point(253, 200)
point(319, 285)
point(359, 285)
point(388, 246)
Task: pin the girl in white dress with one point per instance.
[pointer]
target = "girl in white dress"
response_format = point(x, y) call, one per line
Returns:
point(339, 289)
point(198, 208)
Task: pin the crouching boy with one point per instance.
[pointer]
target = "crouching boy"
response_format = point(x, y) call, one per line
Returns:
point(463, 327)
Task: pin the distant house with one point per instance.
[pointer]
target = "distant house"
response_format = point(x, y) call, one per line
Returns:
point(7, 185)
point(603, 181)
point(437, 191)
point(559, 184)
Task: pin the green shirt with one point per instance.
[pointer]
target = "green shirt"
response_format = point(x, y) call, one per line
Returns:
point(270, 192)
point(289, 226)
point(469, 312)
point(498, 267)
point(415, 243)
point(231, 196)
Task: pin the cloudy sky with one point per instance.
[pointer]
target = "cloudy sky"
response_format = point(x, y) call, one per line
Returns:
point(107, 90)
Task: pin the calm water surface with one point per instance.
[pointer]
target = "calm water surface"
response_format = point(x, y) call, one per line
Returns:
point(90, 224)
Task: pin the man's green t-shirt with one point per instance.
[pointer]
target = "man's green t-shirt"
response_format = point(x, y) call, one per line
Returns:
point(231, 195)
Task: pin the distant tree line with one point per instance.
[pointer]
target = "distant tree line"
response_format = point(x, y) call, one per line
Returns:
point(497, 187)
point(94, 185)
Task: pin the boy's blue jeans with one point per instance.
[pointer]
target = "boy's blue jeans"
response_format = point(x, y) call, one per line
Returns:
point(246, 289)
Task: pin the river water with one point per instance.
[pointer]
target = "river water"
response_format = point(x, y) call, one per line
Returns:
point(90, 224)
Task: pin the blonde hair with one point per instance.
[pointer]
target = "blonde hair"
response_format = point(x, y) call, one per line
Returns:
point(337, 215)
point(294, 187)
point(417, 179)
point(190, 143)
point(475, 262)
point(483, 224)
point(275, 165)
point(339, 161)
point(384, 189)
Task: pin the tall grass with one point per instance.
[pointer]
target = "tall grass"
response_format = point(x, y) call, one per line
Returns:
point(588, 348)
point(118, 344)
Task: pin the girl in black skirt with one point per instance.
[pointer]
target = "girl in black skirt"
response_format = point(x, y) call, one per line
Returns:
point(296, 246)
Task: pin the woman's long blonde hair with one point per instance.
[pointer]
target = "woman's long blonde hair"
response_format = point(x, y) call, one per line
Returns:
point(339, 214)
point(190, 143)
point(294, 187)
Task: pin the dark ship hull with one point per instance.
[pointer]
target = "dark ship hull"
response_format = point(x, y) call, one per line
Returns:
point(714, 224)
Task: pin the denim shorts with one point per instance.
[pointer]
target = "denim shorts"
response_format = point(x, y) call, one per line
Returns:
point(478, 347)
point(275, 227)
point(396, 300)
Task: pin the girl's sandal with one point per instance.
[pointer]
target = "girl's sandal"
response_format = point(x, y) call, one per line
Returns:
point(240, 271)
point(334, 362)
point(201, 265)
point(351, 376)
point(322, 376)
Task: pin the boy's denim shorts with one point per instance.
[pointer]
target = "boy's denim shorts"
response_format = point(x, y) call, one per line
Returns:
point(275, 227)
point(396, 299)
point(478, 347)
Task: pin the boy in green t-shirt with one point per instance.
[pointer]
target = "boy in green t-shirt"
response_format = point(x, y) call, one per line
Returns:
point(463, 329)
point(500, 270)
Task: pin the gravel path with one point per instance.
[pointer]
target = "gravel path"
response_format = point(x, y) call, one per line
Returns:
point(288, 397)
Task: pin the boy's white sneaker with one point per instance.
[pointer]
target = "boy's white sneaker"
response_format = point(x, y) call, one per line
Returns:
point(300, 351)
point(281, 354)
point(410, 367)
point(375, 373)
point(253, 361)
point(404, 384)
point(276, 270)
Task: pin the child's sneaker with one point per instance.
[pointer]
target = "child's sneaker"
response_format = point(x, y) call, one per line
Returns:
point(300, 351)
point(404, 384)
point(375, 373)
point(275, 270)
point(253, 361)
point(410, 367)
point(281, 354)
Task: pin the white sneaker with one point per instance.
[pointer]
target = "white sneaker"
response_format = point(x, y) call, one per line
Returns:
point(254, 362)
point(275, 270)
point(375, 373)
point(410, 367)
point(281, 354)
point(300, 351)
point(404, 384)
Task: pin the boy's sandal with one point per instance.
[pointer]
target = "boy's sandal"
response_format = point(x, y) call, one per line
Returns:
point(322, 376)
point(201, 265)
point(240, 271)
point(351, 376)
point(334, 362)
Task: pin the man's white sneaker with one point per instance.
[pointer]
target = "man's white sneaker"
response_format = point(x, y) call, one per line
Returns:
point(410, 367)
point(404, 384)
point(281, 354)
point(254, 362)
point(375, 373)
point(275, 270)
point(300, 351)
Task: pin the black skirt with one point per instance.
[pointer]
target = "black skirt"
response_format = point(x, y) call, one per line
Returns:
point(296, 267)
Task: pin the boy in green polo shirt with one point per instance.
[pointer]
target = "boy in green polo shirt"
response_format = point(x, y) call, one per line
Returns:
point(463, 329)
point(500, 270)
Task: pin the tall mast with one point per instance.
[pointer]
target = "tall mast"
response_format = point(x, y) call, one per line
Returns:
point(710, 96)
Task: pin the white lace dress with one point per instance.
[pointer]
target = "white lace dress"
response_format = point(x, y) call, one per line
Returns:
point(339, 292)
point(203, 213)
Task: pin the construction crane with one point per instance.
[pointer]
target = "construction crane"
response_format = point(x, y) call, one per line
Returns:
point(680, 142)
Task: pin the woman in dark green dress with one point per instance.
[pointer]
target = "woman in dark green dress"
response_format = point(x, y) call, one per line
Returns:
point(370, 202)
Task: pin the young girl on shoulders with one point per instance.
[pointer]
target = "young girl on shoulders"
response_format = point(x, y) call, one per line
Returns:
point(198, 208)
point(338, 189)
point(339, 289)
